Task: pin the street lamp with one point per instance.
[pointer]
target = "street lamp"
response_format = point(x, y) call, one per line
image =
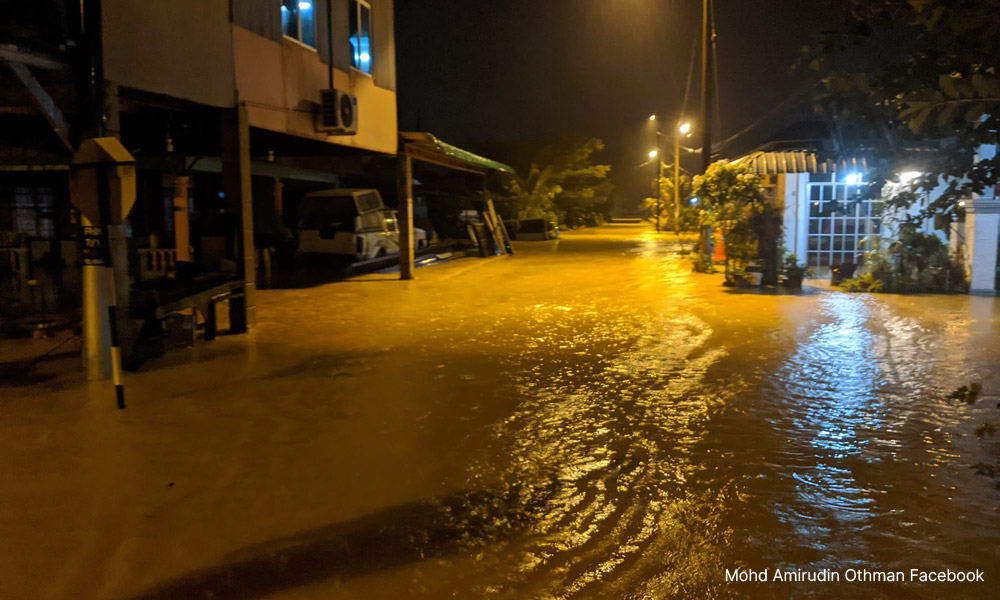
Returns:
point(658, 175)
point(684, 129)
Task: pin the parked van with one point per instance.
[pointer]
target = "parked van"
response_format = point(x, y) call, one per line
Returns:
point(536, 230)
point(353, 222)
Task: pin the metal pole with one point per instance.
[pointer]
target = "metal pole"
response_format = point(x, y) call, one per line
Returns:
point(706, 91)
point(95, 45)
point(706, 113)
point(656, 184)
point(677, 179)
point(404, 222)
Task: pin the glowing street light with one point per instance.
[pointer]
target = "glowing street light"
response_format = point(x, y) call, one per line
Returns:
point(653, 154)
point(652, 117)
point(684, 129)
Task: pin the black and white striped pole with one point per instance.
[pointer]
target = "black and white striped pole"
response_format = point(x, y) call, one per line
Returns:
point(104, 204)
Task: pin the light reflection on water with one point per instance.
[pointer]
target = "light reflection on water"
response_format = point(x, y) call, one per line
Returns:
point(732, 431)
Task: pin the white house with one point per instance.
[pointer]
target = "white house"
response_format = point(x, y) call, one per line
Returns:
point(806, 184)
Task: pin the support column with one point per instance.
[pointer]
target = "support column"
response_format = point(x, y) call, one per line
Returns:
point(982, 230)
point(182, 228)
point(236, 183)
point(406, 252)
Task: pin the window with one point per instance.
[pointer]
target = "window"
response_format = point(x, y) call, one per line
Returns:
point(841, 221)
point(34, 212)
point(360, 27)
point(298, 21)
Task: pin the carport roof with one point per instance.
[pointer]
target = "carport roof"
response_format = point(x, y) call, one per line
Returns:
point(426, 147)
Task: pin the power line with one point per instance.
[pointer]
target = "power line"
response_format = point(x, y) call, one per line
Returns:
point(778, 107)
point(687, 88)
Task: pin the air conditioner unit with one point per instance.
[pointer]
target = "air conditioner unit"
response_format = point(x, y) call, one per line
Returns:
point(338, 113)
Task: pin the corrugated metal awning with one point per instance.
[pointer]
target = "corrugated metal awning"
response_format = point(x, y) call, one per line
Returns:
point(426, 147)
point(773, 163)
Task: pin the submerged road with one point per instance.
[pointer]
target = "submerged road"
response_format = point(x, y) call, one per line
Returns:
point(585, 419)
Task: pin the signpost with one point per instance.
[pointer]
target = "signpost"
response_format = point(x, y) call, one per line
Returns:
point(102, 187)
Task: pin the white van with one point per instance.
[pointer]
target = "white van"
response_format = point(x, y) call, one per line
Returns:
point(350, 222)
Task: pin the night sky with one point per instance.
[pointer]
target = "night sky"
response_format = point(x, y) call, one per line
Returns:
point(503, 76)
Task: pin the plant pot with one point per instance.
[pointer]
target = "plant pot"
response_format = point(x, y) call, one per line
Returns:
point(754, 278)
point(793, 283)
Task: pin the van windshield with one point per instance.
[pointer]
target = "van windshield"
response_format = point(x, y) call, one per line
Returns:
point(319, 212)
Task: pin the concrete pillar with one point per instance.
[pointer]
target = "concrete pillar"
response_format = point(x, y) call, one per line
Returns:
point(405, 221)
point(237, 186)
point(96, 350)
point(982, 229)
point(182, 228)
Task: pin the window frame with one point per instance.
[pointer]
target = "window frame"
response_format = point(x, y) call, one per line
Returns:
point(824, 230)
point(298, 16)
point(358, 4)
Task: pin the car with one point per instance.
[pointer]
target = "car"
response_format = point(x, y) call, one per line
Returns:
point(537, 230)
point(353, 222)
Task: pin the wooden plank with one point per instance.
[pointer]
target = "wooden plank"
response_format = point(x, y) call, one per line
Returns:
point(501, 228)
point(495, 232)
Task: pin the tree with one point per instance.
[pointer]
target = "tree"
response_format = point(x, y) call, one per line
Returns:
point(733, 201)
point(689, 214)
point(939, 90)
point(564, 186)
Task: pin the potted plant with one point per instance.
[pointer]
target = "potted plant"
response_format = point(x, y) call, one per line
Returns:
point(754, 274)
point(794, 272)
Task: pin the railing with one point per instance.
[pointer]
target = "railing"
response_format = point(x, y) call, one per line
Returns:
point(156, 264)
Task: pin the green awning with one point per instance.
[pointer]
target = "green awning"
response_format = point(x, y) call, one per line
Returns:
point(426, 147)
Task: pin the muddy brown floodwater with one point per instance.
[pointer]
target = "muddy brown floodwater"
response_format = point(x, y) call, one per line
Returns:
point(586, 419)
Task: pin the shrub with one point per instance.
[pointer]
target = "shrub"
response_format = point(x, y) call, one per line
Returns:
point(862, 283)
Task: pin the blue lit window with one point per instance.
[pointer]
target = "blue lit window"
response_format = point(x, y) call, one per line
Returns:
point(360, 23)
point(298, 21)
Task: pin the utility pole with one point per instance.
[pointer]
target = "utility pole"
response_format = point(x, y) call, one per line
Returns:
point(706, 88)
point(677, 182)
point(706, 112)
point(656, 185)
point(100, 310)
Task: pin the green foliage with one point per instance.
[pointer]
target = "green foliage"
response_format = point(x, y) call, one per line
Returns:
point(791, 268)
point(688, 213)
point(861, 283)
point(733, 202)
point(968, 395)
point(939, 88)
point(564, 186)
point(701, 262)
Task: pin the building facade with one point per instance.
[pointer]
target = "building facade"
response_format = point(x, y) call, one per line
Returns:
point(221, 105)
point(828, 221)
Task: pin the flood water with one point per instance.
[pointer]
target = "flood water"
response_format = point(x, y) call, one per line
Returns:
point(586, 419)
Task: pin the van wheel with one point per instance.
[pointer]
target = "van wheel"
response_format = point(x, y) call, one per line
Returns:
point(381, 252)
